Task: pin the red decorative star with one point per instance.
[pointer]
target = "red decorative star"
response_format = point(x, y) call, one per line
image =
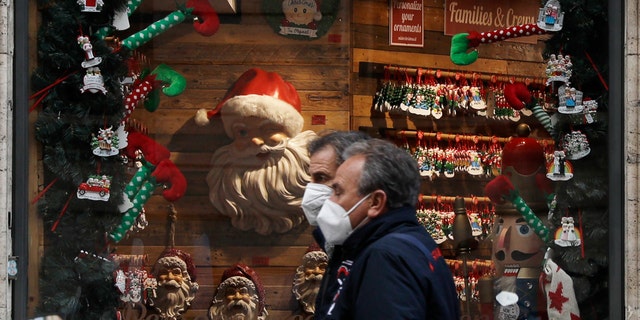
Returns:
point(575, 316)
point(557, 299)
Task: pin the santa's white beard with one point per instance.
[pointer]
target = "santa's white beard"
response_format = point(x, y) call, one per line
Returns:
point(267, 197)
point(171, 302)
point(306, 290)
point(234, 310)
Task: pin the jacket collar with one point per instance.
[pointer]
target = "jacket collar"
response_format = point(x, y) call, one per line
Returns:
point(379, 227)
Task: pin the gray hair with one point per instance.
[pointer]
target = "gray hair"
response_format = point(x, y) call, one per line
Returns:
point(388, 168)
point(339, 140)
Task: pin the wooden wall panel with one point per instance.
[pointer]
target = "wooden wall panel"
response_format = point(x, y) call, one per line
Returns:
point(318, 69)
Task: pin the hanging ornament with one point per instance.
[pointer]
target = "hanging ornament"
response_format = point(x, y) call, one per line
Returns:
point(123, 136)
point(559, 68)
point(570, 100)
point(138, 93)
point(105, 144)
point(155, 169)
point(138, 190)
point(121, 19)
point(575, 145)
point(130, 276)
point(174, 83)
point(206, 21)
point(560, 169)
point(476, 99)
point(93, 81)
point(91, 5)
point(97, 188)
point(175, 286)
point(567, 235)
point(118, 20)
point(550, 17)
point(87, 47)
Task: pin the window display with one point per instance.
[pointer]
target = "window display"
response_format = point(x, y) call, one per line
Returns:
point(202, 109)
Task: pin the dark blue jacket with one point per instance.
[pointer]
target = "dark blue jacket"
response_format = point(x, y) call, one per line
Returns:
point(376, 276)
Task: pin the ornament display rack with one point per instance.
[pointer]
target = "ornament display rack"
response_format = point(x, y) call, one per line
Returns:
point(450, 199)
point(402, 133)
point(372, 69)
point(487, 265)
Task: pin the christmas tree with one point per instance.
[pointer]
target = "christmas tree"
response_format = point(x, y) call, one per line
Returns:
point(584, 37)
point(78, 80)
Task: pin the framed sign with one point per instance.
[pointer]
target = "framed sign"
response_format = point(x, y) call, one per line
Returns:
point(462, 16)
point(406, 23)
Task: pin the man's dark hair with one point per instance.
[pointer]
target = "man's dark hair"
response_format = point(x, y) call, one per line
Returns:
point(339, 140)
point(389, 168)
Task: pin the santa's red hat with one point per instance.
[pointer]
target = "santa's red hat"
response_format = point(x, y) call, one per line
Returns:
point(260, 94)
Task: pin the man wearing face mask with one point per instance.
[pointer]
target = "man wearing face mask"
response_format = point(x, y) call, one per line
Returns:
point(387, 266)
point(325, 155)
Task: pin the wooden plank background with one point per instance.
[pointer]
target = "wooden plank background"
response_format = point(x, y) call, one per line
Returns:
point(320, 72)
point(327, 76)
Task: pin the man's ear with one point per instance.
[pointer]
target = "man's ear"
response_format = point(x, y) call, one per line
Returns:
point(378, 204)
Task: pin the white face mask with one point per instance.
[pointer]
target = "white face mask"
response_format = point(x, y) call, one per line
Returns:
point(314, 197)
point(334, 221)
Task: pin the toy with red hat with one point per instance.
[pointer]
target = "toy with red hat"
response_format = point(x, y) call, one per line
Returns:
point(258, 93)
point(241, 272)
point(172, 257)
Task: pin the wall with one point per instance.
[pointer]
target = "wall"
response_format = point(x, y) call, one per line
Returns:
point(6, 147)
point(632, 157)
point(318, 69)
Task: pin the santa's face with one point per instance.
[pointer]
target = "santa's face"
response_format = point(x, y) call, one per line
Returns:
point(313, 270)
point(299, 12)
point(173, 295)
point(515, 243)
point(256, 139)
point(234, 302)
point(308, 279)
point(262, 187)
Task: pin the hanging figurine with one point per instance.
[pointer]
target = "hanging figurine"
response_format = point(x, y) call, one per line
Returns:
point(560, 169)
point(559, 68)
point(567, 235)
point(570, 100)
point(576, 145)
point(176, 287)
point(97, 187)
point(550, 17)
point(106, 143)
point(87, 47)
point(91, 5)
point(93, 81)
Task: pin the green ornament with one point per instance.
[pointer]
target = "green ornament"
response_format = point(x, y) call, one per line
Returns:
point(177, 82)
